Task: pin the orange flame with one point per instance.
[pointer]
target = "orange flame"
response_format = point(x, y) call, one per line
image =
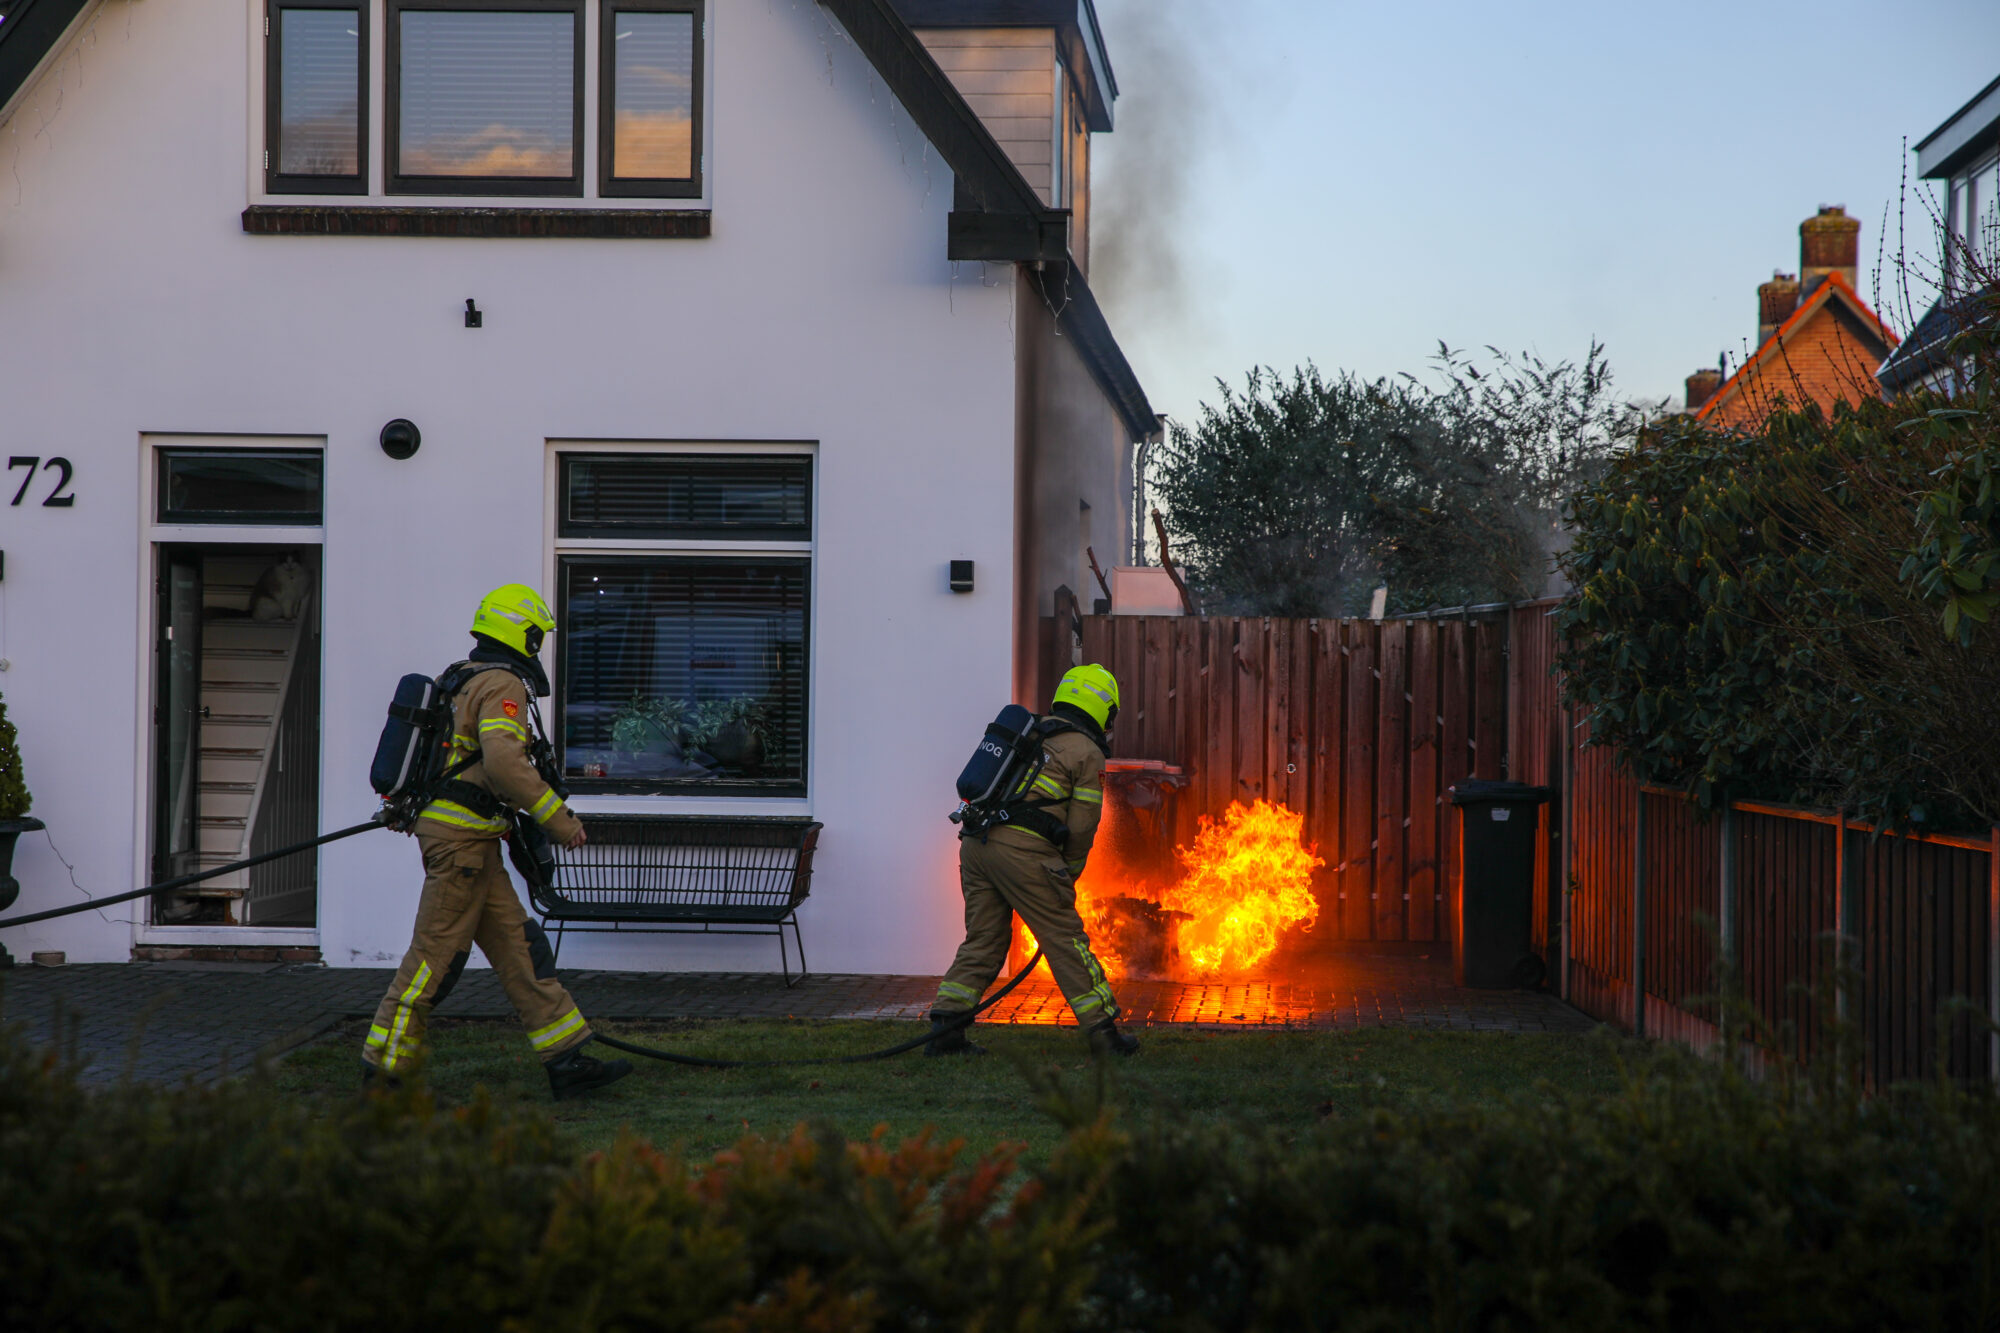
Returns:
point(1248, 880)
point(1245, 882)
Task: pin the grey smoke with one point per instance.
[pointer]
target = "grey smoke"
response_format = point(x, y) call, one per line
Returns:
point(1143, 183)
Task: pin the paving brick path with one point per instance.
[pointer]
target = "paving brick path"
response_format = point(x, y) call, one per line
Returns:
point(169, 1021)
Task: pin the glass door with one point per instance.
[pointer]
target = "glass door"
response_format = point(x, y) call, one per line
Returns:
point(177, 717)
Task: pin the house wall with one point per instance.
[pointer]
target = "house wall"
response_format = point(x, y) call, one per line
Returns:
point(1821, 358)
point(822, 309)
point(1073, 450)
point(1007, 76)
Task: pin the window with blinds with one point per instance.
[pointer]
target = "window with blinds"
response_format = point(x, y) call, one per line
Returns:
point(683, 672)
point(486, 100)
point(317, 94)
point(690, 496)
point(651, 98)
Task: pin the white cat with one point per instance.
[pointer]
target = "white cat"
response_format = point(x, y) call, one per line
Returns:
point(281, 590)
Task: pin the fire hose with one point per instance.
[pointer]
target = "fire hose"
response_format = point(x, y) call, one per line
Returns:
point(381, 820)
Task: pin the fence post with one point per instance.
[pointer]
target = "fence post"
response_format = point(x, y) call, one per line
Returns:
point(1993, 954)
point(1639, 911)
point(1727, 928)
point(1565, 849)
point(1845, 917)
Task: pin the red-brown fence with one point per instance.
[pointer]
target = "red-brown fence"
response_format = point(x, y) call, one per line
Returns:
point(1777, 890)
point(1360, 725)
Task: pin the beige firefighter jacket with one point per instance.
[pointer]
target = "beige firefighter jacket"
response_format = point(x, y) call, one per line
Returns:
point(490, 718)
point(1072, 786)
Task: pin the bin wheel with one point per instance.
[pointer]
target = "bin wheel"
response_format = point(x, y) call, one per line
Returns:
point(1528, 973)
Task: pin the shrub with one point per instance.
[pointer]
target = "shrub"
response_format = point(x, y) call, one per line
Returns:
point(1748, 616)
point(14, 798)
point(1694, 1198)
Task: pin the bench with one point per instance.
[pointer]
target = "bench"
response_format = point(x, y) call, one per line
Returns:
point(684, 874)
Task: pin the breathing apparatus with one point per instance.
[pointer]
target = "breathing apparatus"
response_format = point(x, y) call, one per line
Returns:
point(995, 785)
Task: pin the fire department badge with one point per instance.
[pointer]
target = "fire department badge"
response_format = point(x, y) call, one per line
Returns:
point(510, 708)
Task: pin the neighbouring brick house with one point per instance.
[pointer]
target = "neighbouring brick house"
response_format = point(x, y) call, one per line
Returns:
point(1817, 340)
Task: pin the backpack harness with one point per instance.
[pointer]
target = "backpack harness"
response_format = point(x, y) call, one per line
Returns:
point(995, 786)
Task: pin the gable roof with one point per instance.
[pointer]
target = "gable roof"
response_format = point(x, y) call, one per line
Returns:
point(997, 215)
point(1831, 294)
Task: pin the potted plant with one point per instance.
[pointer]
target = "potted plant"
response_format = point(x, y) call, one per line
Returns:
point(733, 731)
point(14, 821)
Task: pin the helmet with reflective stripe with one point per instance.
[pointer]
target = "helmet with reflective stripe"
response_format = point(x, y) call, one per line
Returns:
point(515, 615)
point(1091, 688)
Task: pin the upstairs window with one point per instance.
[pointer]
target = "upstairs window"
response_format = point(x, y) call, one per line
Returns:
point(316, 93)
point(485, 97)
point(650, 90)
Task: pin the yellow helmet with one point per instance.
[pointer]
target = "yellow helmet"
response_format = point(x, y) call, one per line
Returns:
point(515, 615)
point(1091, 688)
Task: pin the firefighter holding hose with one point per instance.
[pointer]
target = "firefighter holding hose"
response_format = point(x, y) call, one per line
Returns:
point(467, 898)
point(1025, 858)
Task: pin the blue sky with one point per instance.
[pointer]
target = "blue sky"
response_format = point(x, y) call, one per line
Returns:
point(1361, 178)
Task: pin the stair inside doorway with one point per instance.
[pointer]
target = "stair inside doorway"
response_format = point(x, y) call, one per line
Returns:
point(247, 665)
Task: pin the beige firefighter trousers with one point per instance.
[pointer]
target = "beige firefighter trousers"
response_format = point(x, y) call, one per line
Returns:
point(999, 879)
point(469, 900)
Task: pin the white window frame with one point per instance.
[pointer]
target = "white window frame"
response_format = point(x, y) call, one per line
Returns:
point(555, 548)
point(153, 535)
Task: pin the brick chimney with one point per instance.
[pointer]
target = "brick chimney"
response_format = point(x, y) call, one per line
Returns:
point(1829, 242)
point(1776, 300)
point(1701, 387)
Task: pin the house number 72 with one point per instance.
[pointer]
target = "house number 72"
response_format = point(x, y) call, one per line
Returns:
point(56, 499)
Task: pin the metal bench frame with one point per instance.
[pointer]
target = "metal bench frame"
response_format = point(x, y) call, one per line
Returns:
point(685, 875)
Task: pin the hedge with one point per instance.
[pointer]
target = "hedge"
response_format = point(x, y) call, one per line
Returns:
point(1694, 1198)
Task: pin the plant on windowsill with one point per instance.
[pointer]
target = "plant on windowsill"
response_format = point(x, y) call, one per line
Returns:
point(649, 724)
point(14, 820)
point(734, 732)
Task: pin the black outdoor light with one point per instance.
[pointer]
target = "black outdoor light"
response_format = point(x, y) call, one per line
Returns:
point(400, 438)
point(961, 576)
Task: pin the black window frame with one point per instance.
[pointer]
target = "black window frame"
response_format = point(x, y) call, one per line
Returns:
point(166, 517)
point(276, 181)
point(395, 182)
point(722, 788)
point(639, 187)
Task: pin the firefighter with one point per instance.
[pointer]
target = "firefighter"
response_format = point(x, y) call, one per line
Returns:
point(1028, 863)
point(467, 897)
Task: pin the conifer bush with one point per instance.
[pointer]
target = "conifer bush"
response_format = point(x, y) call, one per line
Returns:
point(14, 797)
point(1694, 1198)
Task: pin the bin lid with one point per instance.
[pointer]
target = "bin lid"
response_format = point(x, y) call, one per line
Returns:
point(1480, 792)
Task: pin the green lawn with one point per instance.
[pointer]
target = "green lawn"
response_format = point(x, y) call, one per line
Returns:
point(1281, 1080)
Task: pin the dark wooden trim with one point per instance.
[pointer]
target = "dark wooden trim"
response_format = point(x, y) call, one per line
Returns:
point(392, 77)
point(552, 223)
point(984, 172)
point(1008, 236)
point(609, 186)
point(32, 29)
point(274, 181)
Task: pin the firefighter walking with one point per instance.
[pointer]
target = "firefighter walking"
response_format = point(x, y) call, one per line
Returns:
point(1027, 862)
point(467, 898)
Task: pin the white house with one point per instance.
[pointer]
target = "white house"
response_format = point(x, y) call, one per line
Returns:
point(727, 323)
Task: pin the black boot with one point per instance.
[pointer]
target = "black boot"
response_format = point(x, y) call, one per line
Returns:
point(1106, 1039)
point(948, 1038)
point(373, 1079)
point(573, 1073)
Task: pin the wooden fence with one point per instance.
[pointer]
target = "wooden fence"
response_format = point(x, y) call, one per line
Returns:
point(1363, 726)
point(1360, 725)
point(1661, 890)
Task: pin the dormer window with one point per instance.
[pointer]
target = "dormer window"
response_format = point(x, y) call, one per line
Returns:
point(1972, 221)
point(316, 99)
